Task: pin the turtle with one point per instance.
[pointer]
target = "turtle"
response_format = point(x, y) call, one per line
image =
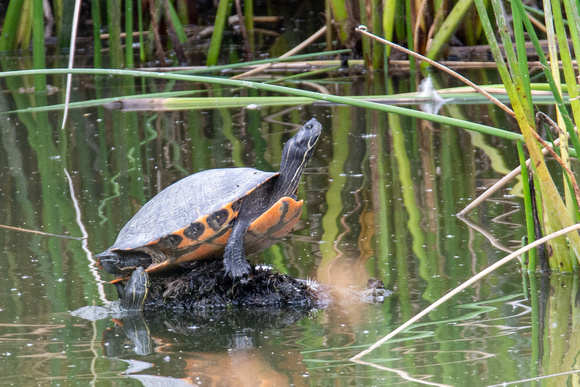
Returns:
point(226, 212)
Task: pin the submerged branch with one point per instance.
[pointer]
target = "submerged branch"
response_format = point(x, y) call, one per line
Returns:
point(39, 232)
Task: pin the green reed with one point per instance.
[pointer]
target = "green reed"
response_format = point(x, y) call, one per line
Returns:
point(223, 12)
point(557, 213)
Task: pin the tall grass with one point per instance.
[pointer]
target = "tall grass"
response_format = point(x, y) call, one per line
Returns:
point(513, 69)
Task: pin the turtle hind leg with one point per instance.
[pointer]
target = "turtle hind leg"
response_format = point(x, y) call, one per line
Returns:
point(235, 253)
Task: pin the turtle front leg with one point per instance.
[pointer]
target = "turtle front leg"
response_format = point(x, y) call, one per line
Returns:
point(135, 291)
point(235, 253)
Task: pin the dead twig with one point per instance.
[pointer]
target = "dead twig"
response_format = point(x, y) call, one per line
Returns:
point(155, 27)
point(177, 47)
point(243, 30)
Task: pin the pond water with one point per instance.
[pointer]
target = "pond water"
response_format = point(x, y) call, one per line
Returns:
point(381, 193)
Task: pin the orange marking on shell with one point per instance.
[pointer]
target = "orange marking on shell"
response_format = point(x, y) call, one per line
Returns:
point(159, 267)
point(222, 240)
point(289, 221)
point(208, 230)
point(275, 216)
point(203, 252)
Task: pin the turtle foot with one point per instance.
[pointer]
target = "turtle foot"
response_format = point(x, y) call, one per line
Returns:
point(237, 270)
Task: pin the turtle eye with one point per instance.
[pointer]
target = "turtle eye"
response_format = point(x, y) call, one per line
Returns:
point(309, 126)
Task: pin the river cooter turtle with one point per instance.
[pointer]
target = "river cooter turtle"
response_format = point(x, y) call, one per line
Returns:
point(229, 213)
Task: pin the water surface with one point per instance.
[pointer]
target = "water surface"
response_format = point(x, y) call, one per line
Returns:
point(381, 193)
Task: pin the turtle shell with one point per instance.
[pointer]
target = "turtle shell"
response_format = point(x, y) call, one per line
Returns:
point(192, 218)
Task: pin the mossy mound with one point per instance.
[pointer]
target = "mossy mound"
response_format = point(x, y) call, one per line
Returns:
point(204, 285)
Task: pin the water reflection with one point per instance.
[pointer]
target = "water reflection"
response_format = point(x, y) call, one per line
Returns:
point(214, 347)
point(380, 196)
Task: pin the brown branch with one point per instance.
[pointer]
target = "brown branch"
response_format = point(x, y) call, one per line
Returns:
point(243, 30)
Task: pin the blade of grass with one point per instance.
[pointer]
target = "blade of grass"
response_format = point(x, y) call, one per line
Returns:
point(528, 207)
point(96, 16)
point(292, 58)
point(514, 76)
point(399, 100)
point(302, 75)
point(340, 19)
point(249, 22)
point(280, 89)
point(521, 54)
point(567, 66)
point(296, 49)
point(177, 24)
point(448, 28)
point(378, 51)
point(114, 22)
point(389, 12)
point(129, 34)
point(25, 25)
point(142, 54)
point(171, 104)
point(103, 101)
point(12, 26)
point(224, 10)
point(572, 12)
point(38, 54)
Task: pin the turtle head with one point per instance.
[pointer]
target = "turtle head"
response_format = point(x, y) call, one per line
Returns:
point(297, 151)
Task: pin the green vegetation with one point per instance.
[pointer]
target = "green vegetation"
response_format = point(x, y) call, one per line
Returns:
point(402, 155)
